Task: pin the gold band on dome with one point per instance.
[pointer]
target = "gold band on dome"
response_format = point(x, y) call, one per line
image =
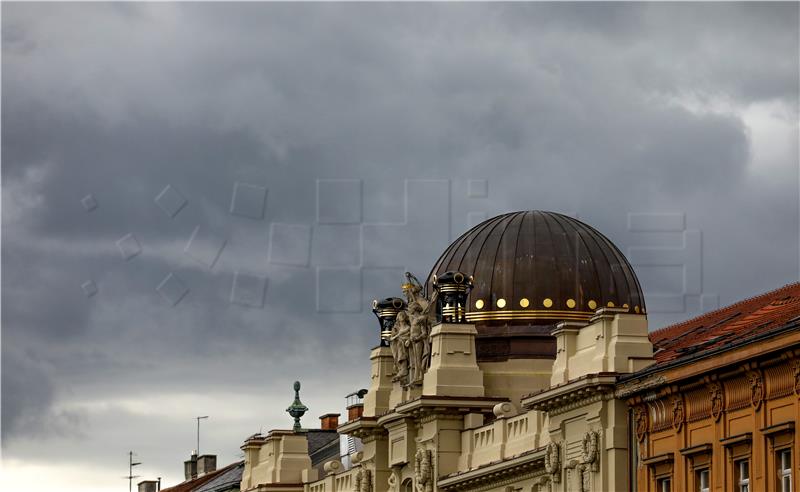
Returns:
point(529, 314)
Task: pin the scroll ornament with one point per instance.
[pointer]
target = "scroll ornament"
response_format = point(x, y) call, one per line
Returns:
point(552, 461)
point(423, 470)
point(589, 452)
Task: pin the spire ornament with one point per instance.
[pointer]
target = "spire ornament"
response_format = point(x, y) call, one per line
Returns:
point(297, 409)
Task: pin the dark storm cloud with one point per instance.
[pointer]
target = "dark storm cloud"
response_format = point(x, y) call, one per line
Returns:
point(596, 109)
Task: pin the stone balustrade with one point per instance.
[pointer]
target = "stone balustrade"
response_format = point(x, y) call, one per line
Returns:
point(503, 438)
point(334, 482)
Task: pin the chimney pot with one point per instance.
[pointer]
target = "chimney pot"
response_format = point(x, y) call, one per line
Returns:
point(355, 411)
point(329, 421)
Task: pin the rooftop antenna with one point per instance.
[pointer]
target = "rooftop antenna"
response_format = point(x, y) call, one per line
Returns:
point(131, 476)
point(198, 432)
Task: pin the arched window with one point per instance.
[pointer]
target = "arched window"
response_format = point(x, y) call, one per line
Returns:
point(408, 485)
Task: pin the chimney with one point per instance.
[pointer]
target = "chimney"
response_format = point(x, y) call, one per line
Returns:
point(148, 486)
point(190, 467)
point(329, 421)
point(206, 463)
point(355, 411)
point(355, 404)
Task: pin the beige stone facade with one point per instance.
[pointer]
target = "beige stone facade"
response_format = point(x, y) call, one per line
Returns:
point(596, 416)
point(463, 429)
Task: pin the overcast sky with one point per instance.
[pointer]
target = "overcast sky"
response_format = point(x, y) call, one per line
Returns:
point(199, 201)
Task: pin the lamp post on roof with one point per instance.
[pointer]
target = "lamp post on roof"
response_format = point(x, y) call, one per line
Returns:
point(297, 409)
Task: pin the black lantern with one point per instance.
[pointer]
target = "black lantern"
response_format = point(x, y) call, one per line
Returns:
point(452, 290)
point(386, 310)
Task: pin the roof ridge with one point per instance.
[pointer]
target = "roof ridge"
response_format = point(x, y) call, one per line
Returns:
point(725, 308)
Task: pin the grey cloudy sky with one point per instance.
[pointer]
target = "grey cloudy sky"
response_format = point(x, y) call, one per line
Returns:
point(322, 149)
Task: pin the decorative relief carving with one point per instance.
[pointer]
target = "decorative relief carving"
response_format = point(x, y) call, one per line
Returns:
point(756, 388)
point(394, 479)
point(586, 478)
point(552, 461)
point(589, 450)
point(363, 480)
point(423, 471)
point(717, 404)
point(677, 413)
point(641, 421)
point(796, 371)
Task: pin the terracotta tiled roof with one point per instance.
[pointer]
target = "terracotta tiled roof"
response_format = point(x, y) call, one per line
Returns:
point(743, 320)
point(190, 485)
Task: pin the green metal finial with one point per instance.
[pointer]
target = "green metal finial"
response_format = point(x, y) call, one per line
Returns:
point(297, 409)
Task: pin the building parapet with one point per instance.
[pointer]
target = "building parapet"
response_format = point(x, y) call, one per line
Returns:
point(334, 482)
point(503, 438)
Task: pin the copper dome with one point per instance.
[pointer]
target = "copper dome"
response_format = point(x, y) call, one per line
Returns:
point(531, 270)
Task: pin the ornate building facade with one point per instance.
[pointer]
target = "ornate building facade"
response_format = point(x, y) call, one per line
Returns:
point(524, 363)
point(718, 409)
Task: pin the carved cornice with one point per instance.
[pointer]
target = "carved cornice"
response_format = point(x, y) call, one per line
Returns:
point(496, 475)
point(572, 395)
point(630, 388)
point(363, 428)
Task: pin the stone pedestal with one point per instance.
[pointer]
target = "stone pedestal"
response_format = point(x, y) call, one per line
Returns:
point(376, 401)
point(454, 369)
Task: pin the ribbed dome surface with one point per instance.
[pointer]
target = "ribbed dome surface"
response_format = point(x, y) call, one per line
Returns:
point(538, 268)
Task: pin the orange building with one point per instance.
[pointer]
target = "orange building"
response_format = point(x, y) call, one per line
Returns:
point(717, 410)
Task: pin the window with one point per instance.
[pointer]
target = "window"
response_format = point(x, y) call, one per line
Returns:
point(664, 485)
point(743, 475)
point(703, 482)
point(785, 463)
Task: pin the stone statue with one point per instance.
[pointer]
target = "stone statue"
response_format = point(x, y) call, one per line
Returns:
point(420, 341)
point(421, 319)
point(399, 343)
